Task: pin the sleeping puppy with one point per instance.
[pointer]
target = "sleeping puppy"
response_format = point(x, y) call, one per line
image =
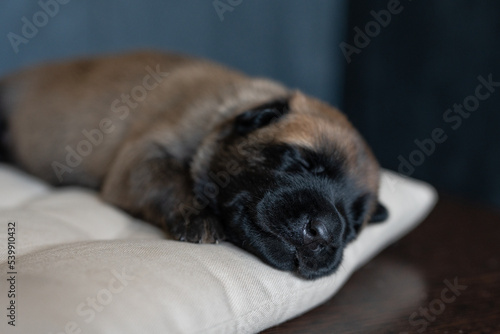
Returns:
point(207, 153)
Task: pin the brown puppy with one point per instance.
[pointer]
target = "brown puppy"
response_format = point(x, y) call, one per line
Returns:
point(203, 151)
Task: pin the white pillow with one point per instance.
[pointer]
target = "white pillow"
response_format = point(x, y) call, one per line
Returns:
point(85, 267)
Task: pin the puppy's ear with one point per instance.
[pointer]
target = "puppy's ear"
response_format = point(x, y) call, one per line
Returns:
point(260, 116)
point(359, 209)
point(381, 214)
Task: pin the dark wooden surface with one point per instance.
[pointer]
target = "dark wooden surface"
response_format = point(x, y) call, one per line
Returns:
point(405, 288)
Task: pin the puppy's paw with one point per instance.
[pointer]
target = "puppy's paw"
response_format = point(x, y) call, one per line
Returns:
point(202, 228)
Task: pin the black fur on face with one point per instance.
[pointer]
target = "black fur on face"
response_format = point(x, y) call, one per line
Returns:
point(293, 207)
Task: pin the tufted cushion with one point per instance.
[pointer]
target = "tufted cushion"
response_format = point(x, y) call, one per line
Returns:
point(85, 267)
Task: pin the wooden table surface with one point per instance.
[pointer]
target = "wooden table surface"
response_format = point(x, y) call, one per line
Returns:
point(443, 277)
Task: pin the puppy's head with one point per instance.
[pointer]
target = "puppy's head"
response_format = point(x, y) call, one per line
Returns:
point(302, 184)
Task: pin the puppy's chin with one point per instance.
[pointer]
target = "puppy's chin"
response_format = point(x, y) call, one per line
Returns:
point(312, 265)
point(305, 262)
point(283, 255)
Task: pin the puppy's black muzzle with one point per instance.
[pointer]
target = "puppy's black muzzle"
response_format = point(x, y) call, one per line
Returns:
point(301, 217)
point(292, 222)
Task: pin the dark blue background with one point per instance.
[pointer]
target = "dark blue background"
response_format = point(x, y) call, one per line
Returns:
point(290, 40)
point(395, 90)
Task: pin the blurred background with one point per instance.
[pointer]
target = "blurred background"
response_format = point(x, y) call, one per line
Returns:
point(420, 79)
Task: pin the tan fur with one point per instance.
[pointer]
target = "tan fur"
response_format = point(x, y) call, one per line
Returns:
point(49, 106)
point(184, 106)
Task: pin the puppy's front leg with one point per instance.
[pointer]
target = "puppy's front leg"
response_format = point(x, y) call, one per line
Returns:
point(149, 182)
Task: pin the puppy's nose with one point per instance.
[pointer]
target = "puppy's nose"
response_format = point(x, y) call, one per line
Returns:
point(316, 234)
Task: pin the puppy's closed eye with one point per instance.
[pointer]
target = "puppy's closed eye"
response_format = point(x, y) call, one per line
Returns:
point(313, 166)
point(290, 159)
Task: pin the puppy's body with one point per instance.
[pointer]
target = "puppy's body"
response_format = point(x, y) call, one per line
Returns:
point(187, 96)
point(204, 151)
